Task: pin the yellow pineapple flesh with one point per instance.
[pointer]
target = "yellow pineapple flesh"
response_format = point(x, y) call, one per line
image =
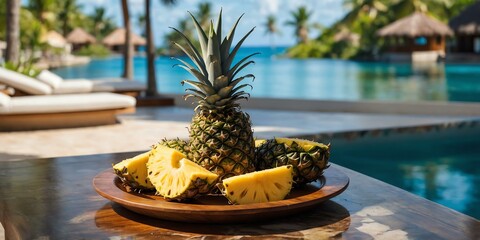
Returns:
point(133, 172)
point(258, 187)
point(177, 178)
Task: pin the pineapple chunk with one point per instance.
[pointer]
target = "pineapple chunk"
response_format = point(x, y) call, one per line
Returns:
point(257, 187)
point(133, 172)
point(305, 144)
point(176, 177)
point(259, 142)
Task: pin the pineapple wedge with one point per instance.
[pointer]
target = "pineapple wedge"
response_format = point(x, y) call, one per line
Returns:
point(258, 187)
point(133, 172)
point(177, 178)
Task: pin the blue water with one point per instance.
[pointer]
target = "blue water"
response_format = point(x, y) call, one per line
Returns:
point(440, 166)
point(317, 78)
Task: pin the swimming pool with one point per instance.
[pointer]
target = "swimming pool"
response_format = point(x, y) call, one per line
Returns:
point(318, 78)
point(440, 165)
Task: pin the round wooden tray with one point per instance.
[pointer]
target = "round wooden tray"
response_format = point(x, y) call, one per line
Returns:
point(215, 208)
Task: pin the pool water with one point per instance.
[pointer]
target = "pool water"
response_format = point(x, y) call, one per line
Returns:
point(317, 78)
point(441, 166)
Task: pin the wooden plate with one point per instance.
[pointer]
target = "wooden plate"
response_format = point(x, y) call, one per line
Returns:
point(215, 209)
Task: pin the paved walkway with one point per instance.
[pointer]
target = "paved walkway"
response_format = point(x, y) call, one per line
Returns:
point(149, 125)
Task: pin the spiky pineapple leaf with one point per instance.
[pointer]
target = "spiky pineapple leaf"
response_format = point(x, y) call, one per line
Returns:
point(195, 73)
point(199, 61)
point(202, 37)
point(236, 81)
point(208, 90)
point(231, 56)
point(227, 44)
point(239, 63)
point(215, 69)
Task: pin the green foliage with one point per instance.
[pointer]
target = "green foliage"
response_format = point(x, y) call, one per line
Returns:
point(365, 18)
point(94, 50)
point(25, 68)
point(312, 49)
point(186, 27)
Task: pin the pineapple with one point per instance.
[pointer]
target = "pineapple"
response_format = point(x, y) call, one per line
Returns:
point(257, 187)
point(259, 142)
point(220, 134)
point(177, 178)
point(133, 172)
point(309, 159)
point(177, 144)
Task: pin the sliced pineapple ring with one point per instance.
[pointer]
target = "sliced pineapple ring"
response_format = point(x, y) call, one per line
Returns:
point(176, 177)
point(133, 172)
point(257, 187)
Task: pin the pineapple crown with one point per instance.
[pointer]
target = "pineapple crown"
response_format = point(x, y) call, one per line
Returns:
point(217, 85)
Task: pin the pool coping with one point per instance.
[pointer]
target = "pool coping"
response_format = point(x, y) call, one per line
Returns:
point(469, 110)
point(431, 108)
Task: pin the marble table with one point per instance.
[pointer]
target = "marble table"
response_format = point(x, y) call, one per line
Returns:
point(53, 198)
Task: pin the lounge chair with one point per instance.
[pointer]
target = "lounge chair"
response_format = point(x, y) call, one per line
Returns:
point(49, 83)
point(62, 111)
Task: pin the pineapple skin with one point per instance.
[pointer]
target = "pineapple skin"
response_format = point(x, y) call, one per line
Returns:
point(308, 164)
point(222, 142)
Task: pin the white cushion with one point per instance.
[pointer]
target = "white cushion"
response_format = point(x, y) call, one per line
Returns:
point(77, 86)
point(23, 83)
point(4, 99)
point(67, 103)
point(50, 78)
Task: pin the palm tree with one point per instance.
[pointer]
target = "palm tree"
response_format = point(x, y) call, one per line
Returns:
point(151, 79)
point(44, 10)
point(406, 7)
point(370, 7)
point(13, 31)
point(128, 46)
point(141, 21)
point(101, 23)
point(271, 29)
point(204, 14)
point(69, 8)
point(300, 22)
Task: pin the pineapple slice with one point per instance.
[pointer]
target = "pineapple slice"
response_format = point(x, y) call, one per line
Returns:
point(309, 159)
point(259, 142)
point(133, 172)
point(177, 178)
point(257, 187)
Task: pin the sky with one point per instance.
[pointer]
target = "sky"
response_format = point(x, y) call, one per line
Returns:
point(324, 12)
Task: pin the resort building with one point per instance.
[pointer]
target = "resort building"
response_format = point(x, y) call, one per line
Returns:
point(467, 30)
point(116, 40)
point(417, 37)
point(79, 38)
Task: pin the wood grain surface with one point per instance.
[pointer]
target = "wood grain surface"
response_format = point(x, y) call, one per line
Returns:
point(54, 199)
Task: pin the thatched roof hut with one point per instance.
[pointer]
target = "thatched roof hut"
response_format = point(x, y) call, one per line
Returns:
point(80, 36)
point(116, 39)
point(54, 39)
point(417, 36)
point(416, 25)
point(467, 29)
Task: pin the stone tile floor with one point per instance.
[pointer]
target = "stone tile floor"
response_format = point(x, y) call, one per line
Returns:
point(148, 125)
